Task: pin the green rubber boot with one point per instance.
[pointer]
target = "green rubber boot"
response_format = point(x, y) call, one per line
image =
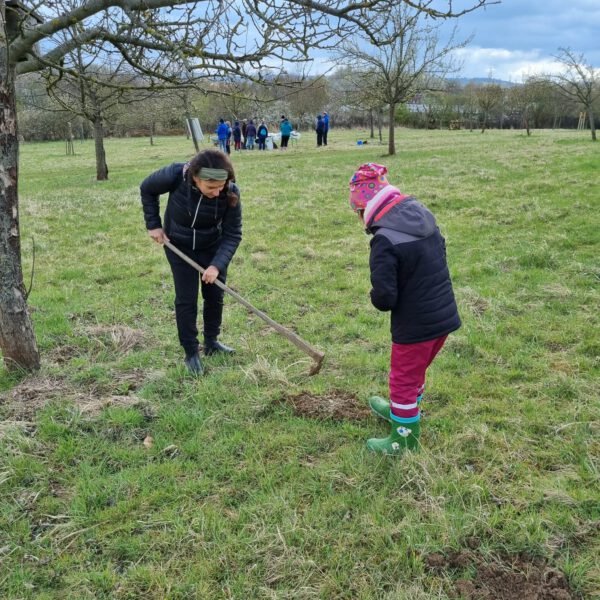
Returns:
point(381, 407)
point(402, 437)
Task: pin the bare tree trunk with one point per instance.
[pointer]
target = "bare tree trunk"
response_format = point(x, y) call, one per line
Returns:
point(372, 124)
point(70, 147)
point(152, 133)
point(17, 339)
point(592, 120)
point(391, 140)
point(101, 166)
point(379, 126)
point(188, 116)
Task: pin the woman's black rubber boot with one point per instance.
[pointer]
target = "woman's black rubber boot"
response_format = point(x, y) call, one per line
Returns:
point(212, 346)
point(194, 364)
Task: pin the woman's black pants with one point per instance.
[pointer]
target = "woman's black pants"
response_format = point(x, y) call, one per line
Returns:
point(187, 282)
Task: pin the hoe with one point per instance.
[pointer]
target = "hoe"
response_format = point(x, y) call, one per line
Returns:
point(290, 335)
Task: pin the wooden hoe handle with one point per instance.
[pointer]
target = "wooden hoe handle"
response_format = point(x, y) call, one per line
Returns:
point(315, 354)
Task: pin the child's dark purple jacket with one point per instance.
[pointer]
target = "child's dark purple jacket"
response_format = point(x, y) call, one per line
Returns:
point(409, 273)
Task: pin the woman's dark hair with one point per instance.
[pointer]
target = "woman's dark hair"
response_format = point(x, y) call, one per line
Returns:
point(215, 159)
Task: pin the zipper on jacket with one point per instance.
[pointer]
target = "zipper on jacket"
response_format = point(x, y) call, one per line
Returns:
point(194, 221)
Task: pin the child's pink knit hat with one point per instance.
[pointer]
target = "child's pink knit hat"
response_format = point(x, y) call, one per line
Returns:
point(365, 183)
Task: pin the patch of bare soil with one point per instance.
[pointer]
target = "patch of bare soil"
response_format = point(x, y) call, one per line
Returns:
point(519, 577)
point(336, 404)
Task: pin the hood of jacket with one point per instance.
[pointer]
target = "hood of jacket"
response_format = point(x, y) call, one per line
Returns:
point(390, 209)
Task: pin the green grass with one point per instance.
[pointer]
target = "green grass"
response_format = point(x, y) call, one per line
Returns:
point(238, 497)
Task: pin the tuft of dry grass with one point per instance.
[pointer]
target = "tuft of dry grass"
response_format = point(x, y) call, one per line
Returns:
point(119, 338)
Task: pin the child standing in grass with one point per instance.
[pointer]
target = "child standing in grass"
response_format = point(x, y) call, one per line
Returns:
point(410, 278)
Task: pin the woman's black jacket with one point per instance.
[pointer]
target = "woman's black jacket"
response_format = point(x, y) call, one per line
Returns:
point(191, 219)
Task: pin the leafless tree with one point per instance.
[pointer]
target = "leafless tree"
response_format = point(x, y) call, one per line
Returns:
point(304, 101)
point(39, 116)
point(579, 81)
point(522, 100)
point(488, 97)
point(179, 39)
point(354, 92)
point(92, 88)
point(414, 61)
point(551, 105)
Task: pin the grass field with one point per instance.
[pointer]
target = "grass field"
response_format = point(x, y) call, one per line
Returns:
point(241, 492)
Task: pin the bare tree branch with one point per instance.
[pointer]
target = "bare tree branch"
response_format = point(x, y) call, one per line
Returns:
point(579, 81)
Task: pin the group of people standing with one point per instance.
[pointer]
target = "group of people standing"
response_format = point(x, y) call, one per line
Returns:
point(246, 134)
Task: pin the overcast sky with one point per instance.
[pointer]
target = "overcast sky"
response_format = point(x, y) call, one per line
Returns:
point(519, 37)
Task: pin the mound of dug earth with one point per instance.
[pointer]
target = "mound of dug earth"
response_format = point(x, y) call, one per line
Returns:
point(519, 577)
point(335, 404)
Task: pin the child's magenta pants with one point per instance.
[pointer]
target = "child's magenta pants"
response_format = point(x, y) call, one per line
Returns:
point(409, 363)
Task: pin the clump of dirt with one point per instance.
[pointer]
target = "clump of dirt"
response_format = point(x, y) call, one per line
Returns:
point(336, 404)
point(512, 577)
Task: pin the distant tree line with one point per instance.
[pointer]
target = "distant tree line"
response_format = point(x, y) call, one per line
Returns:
point(534, 104)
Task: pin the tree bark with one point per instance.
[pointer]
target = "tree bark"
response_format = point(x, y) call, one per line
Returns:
point(17, 338)
point(592, 120)
point(101, 166)
point(371, 123)
point(391, 140)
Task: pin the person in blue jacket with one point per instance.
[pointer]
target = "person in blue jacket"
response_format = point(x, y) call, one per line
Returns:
point(319, 128)
point(325, 127)
point(203, 218)
point(285, 127)
point(261, 136)
point(223, 133)
point(410, 279)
